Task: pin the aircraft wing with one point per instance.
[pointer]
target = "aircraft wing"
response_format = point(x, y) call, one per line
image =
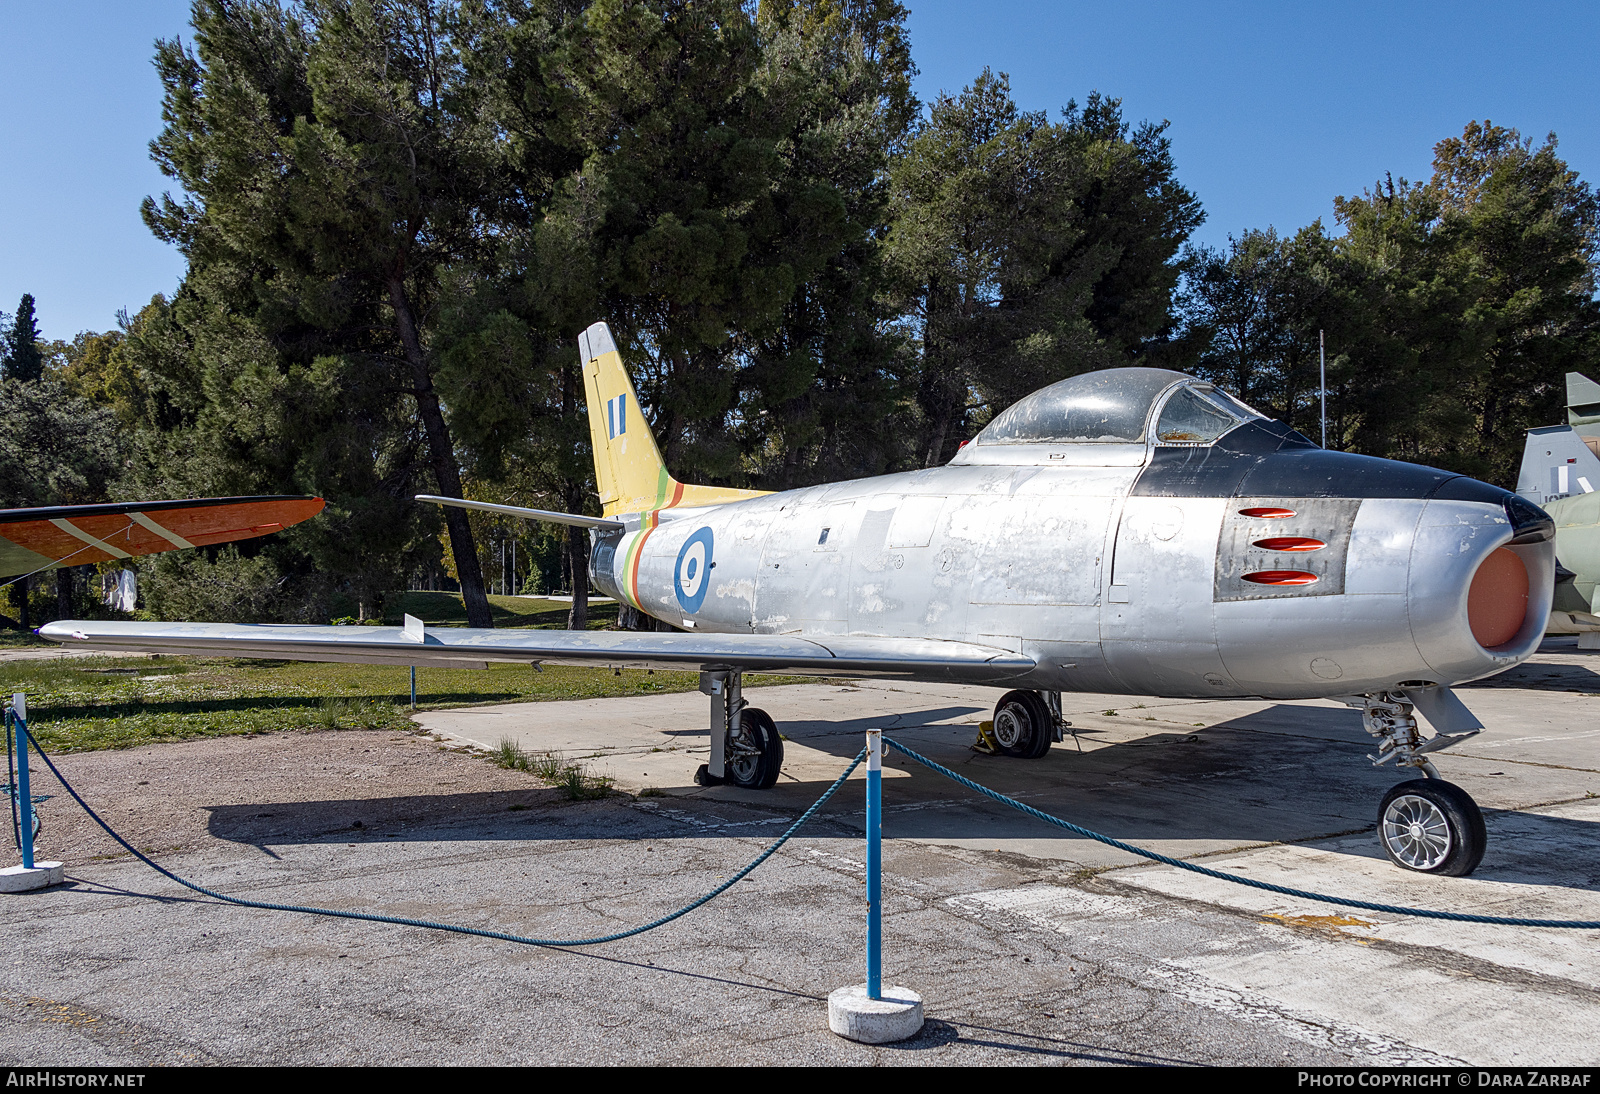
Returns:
point(912, 658)
point(76, 535)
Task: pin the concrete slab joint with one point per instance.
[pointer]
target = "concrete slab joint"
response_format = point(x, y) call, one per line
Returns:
point(854, 1014)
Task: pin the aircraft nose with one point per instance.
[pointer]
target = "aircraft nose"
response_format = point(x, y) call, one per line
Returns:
point(1482, 578)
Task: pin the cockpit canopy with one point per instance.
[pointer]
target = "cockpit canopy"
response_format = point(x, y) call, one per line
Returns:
point(1114, 406)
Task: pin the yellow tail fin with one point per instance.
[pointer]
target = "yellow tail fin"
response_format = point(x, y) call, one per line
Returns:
point(628, 469)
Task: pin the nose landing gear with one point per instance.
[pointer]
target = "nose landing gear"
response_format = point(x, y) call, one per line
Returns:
point(1424, 824)
point(1432, 826)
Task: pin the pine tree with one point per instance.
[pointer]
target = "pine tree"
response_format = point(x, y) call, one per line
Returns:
point(336, 165)
point(23, 360)
point(1030, 250)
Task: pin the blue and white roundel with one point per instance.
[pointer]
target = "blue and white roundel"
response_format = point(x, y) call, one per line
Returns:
point(692, 576)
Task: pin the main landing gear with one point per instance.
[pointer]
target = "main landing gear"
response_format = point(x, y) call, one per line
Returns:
point(1424, 824)
point(1025, 724)
point(746, 748)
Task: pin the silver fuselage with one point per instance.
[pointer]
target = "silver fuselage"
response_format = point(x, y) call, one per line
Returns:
point(1116, 567)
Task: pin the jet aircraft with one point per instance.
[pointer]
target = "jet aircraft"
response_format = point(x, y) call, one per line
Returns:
point(1561, 472)
point(1133, 531)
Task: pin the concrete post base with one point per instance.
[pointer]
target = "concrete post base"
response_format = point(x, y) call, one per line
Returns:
point(1589, 640)
point(19, 879)
point(895, 1017)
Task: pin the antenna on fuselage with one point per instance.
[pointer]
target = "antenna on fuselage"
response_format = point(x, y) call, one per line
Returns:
point(1322, 370)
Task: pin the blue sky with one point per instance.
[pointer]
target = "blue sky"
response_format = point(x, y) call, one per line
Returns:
point(1274, 109)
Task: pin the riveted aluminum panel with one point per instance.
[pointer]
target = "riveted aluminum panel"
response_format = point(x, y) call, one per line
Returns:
point(913, 521)
point(1327, 519)
point(1043, 550)
point(1329, 645)
point(804, 580)
point(909, 588)
point(1379, 559)
point(1156, 623)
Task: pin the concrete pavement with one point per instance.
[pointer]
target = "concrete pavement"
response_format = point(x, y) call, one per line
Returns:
point(1028, 947)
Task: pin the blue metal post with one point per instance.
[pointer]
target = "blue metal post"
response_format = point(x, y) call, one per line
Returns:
point(19, 704)
point(874, 864)
point(413, 687)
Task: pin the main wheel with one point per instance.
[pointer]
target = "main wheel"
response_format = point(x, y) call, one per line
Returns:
point(1431, 826)
point(755, 753)
point(1022, 724)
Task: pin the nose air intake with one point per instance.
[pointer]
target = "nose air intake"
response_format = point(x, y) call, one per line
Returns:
point(1497, 601)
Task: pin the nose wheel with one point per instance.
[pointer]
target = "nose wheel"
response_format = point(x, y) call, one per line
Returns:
point(1433, 827)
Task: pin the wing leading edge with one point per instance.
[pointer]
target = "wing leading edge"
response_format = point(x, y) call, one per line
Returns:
point(830, 655)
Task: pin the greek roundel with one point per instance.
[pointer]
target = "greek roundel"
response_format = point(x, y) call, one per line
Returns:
point(692, 575)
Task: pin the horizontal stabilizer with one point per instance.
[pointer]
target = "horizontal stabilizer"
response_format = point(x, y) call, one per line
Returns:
point(527, 514)
point(1583, 400)
point(1557, 464)
point(832, 655)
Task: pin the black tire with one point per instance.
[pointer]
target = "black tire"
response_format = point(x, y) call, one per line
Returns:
point(1022, 724)
point(757, 753)
point(1433, 827)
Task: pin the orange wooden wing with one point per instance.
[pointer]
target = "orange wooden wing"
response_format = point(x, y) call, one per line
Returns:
point(77, 535)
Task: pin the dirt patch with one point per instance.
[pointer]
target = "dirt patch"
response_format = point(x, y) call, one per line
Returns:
point(343, 785)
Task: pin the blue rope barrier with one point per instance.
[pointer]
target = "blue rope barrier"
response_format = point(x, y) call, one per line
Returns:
point(452, 927)
point(1365, 905)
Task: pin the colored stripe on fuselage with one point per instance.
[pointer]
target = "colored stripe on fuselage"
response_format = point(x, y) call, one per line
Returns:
point(649, 521)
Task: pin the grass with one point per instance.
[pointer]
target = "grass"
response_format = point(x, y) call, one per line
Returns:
point(553, 769)
point(80, 704)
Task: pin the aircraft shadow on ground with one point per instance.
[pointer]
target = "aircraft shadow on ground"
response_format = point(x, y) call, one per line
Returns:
point(1230, 784)
point(267, 702)
point(854, 727)
point(1539, 676)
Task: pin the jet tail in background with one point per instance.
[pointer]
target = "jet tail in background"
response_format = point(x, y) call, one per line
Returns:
point(628, 469)
point(1556, 463)
point(1583, 407)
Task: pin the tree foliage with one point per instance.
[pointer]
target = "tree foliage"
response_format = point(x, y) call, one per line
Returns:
point(1452, 308)
point(397, 214)
point(1030, 250)
point(21, 357)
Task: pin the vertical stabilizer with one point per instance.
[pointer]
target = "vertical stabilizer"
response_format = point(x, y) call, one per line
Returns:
point(628, 469)
point(1556, 463)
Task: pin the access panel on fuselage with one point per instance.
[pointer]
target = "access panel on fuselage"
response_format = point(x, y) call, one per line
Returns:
point(804, 579)
point(1158, 622)
point(905, 580)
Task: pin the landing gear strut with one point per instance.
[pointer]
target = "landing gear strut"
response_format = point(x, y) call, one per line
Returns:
point(746, 748)
point(1424, 824)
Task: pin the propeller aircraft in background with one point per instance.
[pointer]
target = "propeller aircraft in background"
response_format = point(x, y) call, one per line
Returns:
point(48, 538)
point(1133, 531)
